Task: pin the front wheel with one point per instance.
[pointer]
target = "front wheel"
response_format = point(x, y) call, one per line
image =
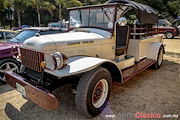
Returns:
point(93, 92)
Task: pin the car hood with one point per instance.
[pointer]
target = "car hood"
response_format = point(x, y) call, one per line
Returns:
point(52, 43)
point(167, 27)
point(4, 45)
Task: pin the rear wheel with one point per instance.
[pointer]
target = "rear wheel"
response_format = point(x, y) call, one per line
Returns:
point(159, 60)
point(169, 35)
point(7, 64)
point(93, 92)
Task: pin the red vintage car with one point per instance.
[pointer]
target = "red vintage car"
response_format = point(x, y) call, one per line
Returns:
point(166, 28)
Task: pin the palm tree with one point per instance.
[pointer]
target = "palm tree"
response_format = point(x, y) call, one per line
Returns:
point(41, 5)
point(62, 4)
point(59, 6)
point(18, 6)
point(5, 11)
point(2, 6)
point(74, 3)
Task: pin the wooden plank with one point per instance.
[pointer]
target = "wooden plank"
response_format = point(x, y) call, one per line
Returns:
point(137, 68)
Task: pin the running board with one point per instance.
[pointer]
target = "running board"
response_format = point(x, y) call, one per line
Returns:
point(136, 69)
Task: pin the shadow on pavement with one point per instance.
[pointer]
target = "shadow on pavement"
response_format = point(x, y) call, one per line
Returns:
point(141, 93)
point(31, 111)
point(172, 53)
point(5, 88)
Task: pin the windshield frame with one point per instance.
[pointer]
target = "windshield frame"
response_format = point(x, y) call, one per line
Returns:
point(91, 8)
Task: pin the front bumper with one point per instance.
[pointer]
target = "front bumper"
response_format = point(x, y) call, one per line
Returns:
point(35, 93)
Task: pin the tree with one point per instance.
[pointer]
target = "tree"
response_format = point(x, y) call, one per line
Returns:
point(175, 6)
point(62, 4)
point(93, 2)
point(59, 7)
point(2, 6)
point(6, 12)
point(18, 6)
point(41, 5)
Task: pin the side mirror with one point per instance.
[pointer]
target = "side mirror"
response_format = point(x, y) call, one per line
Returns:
point(122, 21)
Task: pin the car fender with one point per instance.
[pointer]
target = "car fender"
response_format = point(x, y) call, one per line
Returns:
point(153, 50)
point(81, 64)
point(171, 31)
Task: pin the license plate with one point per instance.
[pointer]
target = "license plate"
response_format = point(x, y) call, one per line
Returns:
point(21, 89)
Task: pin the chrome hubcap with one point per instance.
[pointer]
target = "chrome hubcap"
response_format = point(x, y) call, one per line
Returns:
point(169, 35)
point(7, 66)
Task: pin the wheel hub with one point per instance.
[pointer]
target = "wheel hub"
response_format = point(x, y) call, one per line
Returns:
point(97, 92)
point(7, 66)
point(100, 93)
point(169, 35)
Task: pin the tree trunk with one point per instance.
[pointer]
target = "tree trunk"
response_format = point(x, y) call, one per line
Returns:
point(39, 16)
point(60, 15)
point(19, 19)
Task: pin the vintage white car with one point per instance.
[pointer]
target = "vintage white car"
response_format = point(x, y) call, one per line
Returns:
point(103, 45)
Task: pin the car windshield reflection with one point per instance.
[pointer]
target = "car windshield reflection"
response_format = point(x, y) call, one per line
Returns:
point(21, 37)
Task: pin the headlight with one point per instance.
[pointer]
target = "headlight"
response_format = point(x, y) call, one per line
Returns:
point(54, 61)
point(61, 60)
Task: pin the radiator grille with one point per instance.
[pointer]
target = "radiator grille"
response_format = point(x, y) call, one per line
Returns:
point(32, 59)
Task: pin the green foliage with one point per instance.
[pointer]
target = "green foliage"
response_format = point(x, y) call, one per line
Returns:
point(61, 6)
point(31, 11)
point(2, 6)
point(74, 3)
point(175, 6)
point(41, 5)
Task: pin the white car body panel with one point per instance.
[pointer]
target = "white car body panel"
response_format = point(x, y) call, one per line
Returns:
point(93, 46)
point(140, 48)
point(77, 65)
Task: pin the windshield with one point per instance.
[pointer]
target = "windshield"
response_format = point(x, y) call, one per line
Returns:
point(94, 17)
point(167, 22)
point(22, 36)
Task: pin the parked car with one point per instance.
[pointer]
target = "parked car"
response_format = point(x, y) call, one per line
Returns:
point(15, 28)
point(89, 57)
point(54, 24)
point(7, 34)
point(7, 62)
point(35, 31)
point(166, 28)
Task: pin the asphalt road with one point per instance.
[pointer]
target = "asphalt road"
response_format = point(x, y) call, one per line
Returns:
point(152, 91)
